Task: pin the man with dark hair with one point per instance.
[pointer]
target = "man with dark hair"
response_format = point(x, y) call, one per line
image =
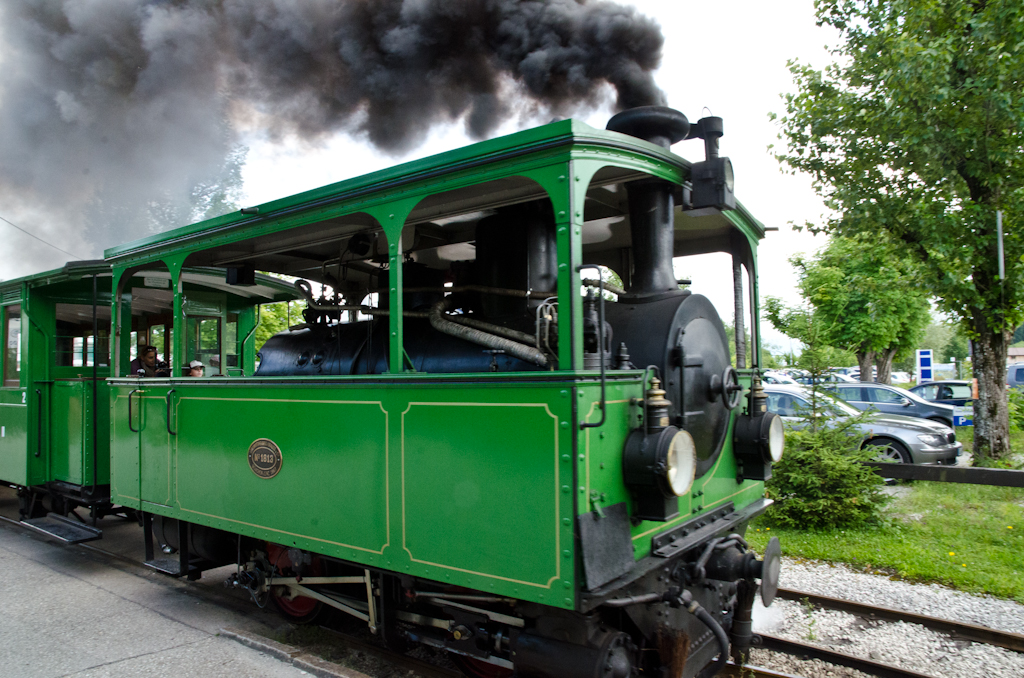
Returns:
point(145, 365)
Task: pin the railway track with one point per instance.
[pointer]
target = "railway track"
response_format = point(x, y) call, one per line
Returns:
point(957, 630)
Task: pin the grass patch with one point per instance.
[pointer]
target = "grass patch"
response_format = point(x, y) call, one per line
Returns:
point(958, 535)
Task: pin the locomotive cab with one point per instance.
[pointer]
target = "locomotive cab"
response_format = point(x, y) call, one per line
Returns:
point(502, 426)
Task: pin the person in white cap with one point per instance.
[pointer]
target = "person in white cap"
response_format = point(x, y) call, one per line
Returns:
point(195, 368)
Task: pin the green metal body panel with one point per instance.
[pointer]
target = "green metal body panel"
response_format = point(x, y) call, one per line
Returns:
point(71, 439)
point(438, 479)
point(14, 437)
point(599, 465)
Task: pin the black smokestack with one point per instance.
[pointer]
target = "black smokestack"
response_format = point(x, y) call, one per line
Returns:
point(651, 205)
point(121, 115)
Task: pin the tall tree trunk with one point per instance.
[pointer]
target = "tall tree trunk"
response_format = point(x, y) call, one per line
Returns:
point(865, 360)
point(991, 415)
point(883, 361)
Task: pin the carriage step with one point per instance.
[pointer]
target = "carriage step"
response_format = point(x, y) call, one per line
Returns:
point(171, 566)
point(60, 527)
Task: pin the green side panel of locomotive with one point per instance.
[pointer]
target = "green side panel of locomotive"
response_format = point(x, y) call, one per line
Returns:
point(600, 466)
point(448, 482)
point(484, 483)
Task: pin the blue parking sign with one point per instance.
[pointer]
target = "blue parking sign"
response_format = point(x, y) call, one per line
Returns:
point(963, 415)
point(924, 365)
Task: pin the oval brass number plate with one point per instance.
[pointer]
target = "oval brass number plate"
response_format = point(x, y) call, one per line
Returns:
point(265, 458)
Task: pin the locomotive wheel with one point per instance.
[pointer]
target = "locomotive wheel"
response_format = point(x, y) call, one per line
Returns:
point(477, 668)
point(300, 609)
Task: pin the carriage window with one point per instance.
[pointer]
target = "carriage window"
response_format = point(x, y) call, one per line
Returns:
point(12, 347)
point(203, 343)
point(160, 337)
point(75, 344)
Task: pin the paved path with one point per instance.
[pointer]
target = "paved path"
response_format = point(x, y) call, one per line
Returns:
point(67, 612)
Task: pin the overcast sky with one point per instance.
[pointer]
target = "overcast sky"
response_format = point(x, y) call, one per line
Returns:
point(728, 56)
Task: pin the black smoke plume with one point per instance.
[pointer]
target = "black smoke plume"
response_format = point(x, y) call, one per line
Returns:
point(119, 117)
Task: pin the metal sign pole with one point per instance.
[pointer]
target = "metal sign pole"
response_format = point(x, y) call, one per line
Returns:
point(999, 243)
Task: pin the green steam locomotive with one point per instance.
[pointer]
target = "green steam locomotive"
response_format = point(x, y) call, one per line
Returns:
point(502, 427)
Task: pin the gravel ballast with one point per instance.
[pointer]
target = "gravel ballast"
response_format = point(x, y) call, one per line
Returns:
point(899, 644)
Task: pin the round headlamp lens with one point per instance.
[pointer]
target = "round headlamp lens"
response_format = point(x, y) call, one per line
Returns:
point(776, 439)
point(730, 178)
point(681, 463)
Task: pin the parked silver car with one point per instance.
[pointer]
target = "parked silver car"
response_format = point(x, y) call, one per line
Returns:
point(892, 400)
point(904, 439)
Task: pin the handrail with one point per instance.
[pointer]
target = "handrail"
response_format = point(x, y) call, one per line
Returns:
point(173, 433)
point(130, 427)
point(39, 423)
point(95, 389)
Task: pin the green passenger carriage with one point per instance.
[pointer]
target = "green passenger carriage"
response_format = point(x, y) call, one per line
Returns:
point(473, 439)
point(54, 411)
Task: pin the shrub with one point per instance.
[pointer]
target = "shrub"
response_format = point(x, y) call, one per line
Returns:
point(1015, 403)
point(820, 482)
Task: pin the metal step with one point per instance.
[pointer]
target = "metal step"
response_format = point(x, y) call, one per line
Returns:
point(171, 566)
point(68, 530)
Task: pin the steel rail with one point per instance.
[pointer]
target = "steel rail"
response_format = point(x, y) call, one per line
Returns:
point(961, 630)
point(807, 651)
point(749, 670)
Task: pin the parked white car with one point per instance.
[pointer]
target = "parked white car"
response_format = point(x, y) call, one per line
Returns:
point(772, 377)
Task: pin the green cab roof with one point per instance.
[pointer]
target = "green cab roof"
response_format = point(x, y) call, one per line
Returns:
point(556, 137)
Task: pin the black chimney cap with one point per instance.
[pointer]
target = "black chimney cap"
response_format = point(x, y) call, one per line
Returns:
point(657, 124)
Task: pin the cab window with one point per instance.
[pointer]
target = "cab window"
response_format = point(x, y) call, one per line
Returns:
point(12, 347)
point(204, 342)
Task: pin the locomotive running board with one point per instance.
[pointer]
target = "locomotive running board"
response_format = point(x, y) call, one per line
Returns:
point(63, 528)
point(170, 566)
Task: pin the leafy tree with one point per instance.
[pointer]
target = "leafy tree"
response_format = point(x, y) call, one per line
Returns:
point(956, 347)
point(276, 318)
point(770, 357)
point(869, 298)
point(202, 197)
point(817, 357)
point(1018, 336)
point(916, 132)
